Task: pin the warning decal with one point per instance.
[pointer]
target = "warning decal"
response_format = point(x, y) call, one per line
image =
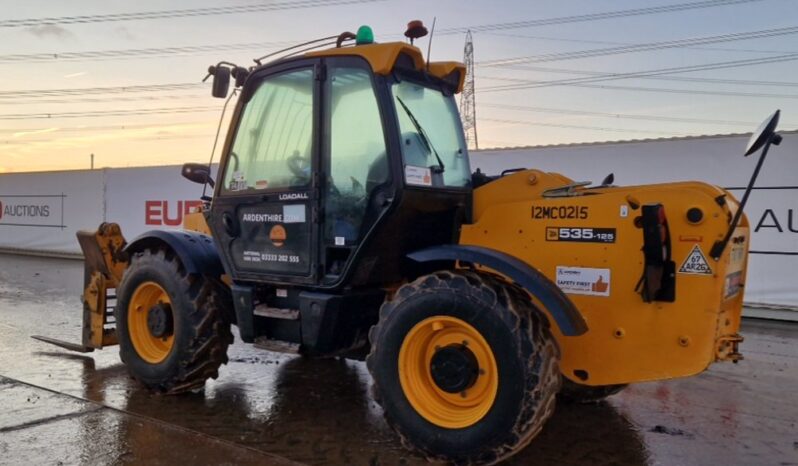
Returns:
point(419, 176)
point(696, 263)
point(584, 280)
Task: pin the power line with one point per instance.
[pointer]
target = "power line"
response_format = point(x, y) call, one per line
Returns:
point(609, 42)
point(620, 115)
point(84, 100)
point(655, 72)
point(107, 113)
point(660, 90)
point(596, 16)
point(642, 47)
point(120, 127)
point(100, 90)
point(593, 128)
point(115, 54)
point(180, 13)
point(157, 52)
point(20, 142)
point(736, 82)
point(28, 22)
point(689, 91)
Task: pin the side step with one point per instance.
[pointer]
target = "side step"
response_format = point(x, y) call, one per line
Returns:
point(277, 346)
point(263, 310)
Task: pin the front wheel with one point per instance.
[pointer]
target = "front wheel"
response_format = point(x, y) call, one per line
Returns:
point(172, 326)
point(464, 367)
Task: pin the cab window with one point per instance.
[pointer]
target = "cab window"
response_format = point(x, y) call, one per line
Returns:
point(273, 144)
point(432, 136)
point(358, 160)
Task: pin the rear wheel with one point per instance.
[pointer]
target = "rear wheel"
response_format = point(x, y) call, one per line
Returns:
point(464, 366)
point(173, 334)
point(573, 392)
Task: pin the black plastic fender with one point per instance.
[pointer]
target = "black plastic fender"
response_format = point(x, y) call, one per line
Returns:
point(196, 251)
point(559, 306)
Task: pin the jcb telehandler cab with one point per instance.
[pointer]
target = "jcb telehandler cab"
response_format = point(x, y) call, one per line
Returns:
point(345, 220)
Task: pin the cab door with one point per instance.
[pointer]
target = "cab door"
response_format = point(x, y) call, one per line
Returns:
point(267, 198)
point(356, 165)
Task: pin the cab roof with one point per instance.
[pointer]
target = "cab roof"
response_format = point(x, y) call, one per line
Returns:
point(383, 59)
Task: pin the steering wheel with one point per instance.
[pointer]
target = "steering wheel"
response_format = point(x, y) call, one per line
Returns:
point(299, 166)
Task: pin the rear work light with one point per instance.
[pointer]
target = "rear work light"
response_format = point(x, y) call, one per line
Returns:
point(658, 282)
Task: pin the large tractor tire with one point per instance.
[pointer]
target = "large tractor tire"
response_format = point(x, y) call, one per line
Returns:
point(464, 366)
point(572, 392)
point(172, 326)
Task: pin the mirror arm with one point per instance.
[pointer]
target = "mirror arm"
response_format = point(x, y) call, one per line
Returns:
point(719, 246)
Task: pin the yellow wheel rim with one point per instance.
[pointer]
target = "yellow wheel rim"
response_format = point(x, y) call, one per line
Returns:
point(149, 347)
point(442, 408)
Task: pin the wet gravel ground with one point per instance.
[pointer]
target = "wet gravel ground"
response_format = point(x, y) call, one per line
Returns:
point(58, 407)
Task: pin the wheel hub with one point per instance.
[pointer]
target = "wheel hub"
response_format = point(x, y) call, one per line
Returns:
point(448, 372)
point(159, 320)
point(454, 368)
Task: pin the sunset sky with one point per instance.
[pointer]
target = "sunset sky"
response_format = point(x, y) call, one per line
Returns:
point(68, 85)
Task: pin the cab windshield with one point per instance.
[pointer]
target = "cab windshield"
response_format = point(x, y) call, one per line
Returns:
point(434, 151)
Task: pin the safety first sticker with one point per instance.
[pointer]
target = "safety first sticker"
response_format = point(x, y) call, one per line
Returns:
point(696, 263)
point(584, 280)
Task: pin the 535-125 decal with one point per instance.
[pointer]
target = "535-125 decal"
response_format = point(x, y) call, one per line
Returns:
point(583, 235)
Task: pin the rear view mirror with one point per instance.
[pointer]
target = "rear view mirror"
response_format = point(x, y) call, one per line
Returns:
point(221, 80)
point(763, 138)
point(197, 173)
point(763, 134)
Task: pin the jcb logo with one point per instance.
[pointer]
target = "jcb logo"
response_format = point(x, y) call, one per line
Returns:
point(158, 213)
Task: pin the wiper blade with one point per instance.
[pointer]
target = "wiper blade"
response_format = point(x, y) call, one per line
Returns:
point(424, 138)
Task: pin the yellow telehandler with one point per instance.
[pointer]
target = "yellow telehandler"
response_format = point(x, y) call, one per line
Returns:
point(345, 220)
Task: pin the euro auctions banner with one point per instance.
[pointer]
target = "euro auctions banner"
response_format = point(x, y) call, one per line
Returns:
point(42, 212)
point(148, 198)
point(45, 210)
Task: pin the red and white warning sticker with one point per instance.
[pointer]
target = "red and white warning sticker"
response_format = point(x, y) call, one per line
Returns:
point(696, 263)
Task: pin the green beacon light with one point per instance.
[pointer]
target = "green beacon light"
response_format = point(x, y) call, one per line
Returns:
point(364, 36)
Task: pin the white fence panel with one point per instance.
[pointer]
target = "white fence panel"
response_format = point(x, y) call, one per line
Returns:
point(43, 211)
point(147, 198)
